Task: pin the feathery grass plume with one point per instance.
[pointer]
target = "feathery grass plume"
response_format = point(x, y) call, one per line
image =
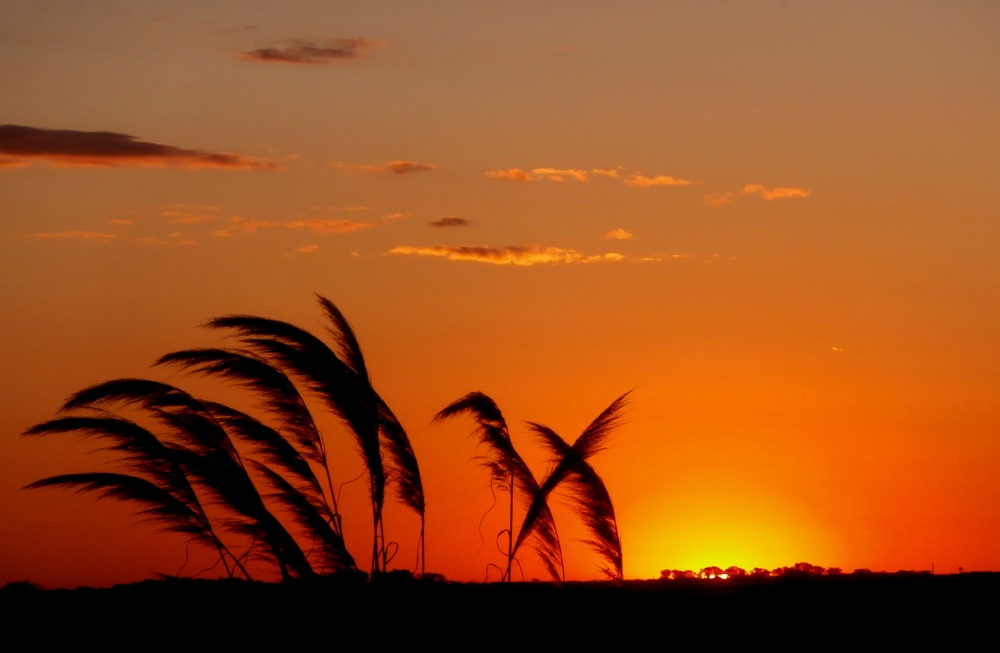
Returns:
point(302, 496)
point(279, 397)
point(509, 471)
point(208, 457)
point(340, 379)
point(158, 483)
point(589, 496)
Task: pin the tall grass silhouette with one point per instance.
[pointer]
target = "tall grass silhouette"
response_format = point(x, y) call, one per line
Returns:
point(568, 470)
point(230, 480)
point(259, 488)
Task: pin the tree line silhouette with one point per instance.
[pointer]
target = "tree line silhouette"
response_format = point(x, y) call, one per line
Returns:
point(260, 488)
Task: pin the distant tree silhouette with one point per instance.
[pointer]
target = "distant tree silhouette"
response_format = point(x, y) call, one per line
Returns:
point(735, 572)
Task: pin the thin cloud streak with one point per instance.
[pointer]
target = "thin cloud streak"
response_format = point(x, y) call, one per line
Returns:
point(512, 255)
point(642, 181)
point(771, 194)
point(311, 53)
point(322, 227)
point(450, 221)
point(392, 167)
point(75, 235)
point(767, 194)
point(67, 147)
point(635, 180)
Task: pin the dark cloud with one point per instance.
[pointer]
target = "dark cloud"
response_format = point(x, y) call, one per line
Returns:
point(402, 167)
point(70, 147)
point(393, 167)
point(450, 221)
point(305, 52)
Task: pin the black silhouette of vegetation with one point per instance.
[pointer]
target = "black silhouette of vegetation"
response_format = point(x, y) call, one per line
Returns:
point(232, 481)
point(568, 466)
point(260, 488)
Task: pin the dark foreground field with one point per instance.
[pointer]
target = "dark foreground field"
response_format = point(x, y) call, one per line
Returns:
point(889, 609)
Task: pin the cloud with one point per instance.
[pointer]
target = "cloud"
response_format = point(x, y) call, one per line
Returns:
point(307, 249)
point(252, 226)
point(322, 227)
point(393, 167)
point(186, 217)
point(720, 199)
point(771, 194)
point(310, 53)
point(642, 181)
point(556, 174)
point(617, 234)
point(550, 174)
point(75, 235)
point(510, 174)
point(512, 255)
point(450, 221)
point(581, 175)
point(68, 147)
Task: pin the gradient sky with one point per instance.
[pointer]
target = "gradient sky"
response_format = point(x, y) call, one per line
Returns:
point(775, 222)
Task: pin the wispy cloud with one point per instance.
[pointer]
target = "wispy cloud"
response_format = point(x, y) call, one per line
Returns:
point(557, 174)
point(768, 194)
point(617, 234)
point(635, 179)
point(67, 147)
point(252, 226)
point(307, 249)
point(512, 255)
point(316, 225)
point(79, 234)
point(720, 199)
point(641, 181)
point(510, 174)
point(450, 221)
point(187, 217)
point(322, 227)
point(771, 194)
point(312, 53)
point(550, 174)
point(392, 167)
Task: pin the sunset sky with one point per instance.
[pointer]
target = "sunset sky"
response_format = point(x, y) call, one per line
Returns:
point(775, 222)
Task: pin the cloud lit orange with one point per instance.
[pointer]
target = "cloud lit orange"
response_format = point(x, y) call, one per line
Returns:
point(771, 194)
point(521, 256)
point(642, 181)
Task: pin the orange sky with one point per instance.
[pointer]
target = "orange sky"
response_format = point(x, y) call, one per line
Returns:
point(775, 222)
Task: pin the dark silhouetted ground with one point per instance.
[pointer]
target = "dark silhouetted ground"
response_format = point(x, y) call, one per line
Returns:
point(885, 610)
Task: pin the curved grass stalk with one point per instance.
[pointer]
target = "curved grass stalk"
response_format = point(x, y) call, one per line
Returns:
point(508, 469)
